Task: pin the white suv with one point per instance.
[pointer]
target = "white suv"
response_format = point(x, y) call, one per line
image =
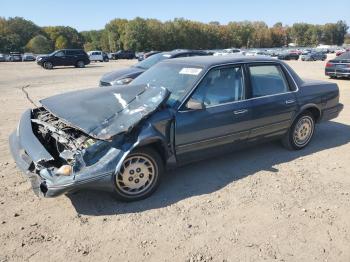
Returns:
point(96, 56)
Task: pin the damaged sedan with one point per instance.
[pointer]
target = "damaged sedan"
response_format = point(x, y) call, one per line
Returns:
point(122, 139)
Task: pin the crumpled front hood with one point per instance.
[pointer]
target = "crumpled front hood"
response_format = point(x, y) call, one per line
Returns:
point(122, 73)
point(105, 112)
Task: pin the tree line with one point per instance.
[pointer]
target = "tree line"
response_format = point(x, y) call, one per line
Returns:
point(19, 34)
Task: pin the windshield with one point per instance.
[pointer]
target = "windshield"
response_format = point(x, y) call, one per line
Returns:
point(151, 61)
point(177, 78)
point(54, 52)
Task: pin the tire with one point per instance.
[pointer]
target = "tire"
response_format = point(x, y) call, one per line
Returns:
point(300, 133)
point(48, 65)
point(143, 167)
point(80, 64)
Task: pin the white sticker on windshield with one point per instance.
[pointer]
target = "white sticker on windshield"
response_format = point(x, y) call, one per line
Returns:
point(190, 71)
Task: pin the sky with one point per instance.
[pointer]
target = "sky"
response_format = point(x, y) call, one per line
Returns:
point(88, 14)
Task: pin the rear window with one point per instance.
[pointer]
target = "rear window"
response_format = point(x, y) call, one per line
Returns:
point(150, 61)
point(267, 80)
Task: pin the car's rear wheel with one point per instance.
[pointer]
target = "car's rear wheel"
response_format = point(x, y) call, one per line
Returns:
point(48, 65)
point(80, 64)
point(139, 175)
point(300, 133)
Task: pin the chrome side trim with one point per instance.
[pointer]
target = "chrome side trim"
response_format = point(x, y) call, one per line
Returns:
point(210, 139)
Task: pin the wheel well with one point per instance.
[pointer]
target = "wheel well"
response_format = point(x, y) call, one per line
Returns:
point(315, 112)
point(158, 147)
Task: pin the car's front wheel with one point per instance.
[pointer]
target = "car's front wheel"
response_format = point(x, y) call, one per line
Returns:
point(139, 175)
point(300, 133)
point(48, 65)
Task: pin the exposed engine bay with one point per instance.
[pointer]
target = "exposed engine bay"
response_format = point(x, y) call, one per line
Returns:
point(60, 140)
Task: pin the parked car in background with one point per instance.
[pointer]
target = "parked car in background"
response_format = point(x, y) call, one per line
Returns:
point(64, 57)
point(105, 57)
point(14, 57)
point(139, 54)
point(186, 109)
point(98, 56)
point(146, 55)
point(314, 56)
point(95, 56)
point(28, 57)
point(288, 56)
point(125, 76)
point(339, 66)
point(297, 51)
point(2, 58)
point(228, 51)
point(123, 54)
point(340, 52)
point(256, 53)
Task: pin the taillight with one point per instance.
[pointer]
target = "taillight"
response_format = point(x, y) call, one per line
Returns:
point(329, 64)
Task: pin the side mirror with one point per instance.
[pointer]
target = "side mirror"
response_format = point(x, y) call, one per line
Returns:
point(193, 104)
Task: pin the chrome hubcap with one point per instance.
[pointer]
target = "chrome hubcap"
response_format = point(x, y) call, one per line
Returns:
point(303, 131)
point(136, 175)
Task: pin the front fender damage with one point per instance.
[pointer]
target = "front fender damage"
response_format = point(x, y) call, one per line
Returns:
point(45, 143)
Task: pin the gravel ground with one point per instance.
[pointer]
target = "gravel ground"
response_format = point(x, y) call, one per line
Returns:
point(263, 203)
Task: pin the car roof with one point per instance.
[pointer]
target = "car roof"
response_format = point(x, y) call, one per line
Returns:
point(70, 49)
point(209, 61)
point(181, 51)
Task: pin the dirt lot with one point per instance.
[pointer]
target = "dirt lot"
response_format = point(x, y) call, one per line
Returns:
point(263, 203)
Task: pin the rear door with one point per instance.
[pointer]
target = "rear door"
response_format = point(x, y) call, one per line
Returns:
point(223, 121)
point(71, 57)
point(273, 100)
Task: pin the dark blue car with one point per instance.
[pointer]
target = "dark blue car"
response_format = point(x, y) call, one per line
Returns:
point(121, 139)
point(339, 66)
point(126, 75)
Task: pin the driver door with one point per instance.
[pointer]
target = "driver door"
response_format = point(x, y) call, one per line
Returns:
point(59, 58)
point(218, 121)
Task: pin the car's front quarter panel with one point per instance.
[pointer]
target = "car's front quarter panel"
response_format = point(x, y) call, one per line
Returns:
point(158, 130)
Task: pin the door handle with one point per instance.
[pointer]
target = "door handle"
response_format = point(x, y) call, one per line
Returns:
point(291, 101)
point(242, 111)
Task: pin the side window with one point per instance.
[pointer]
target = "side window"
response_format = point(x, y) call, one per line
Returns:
point(221, 85)
point(59, 54)
point(267, 80)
